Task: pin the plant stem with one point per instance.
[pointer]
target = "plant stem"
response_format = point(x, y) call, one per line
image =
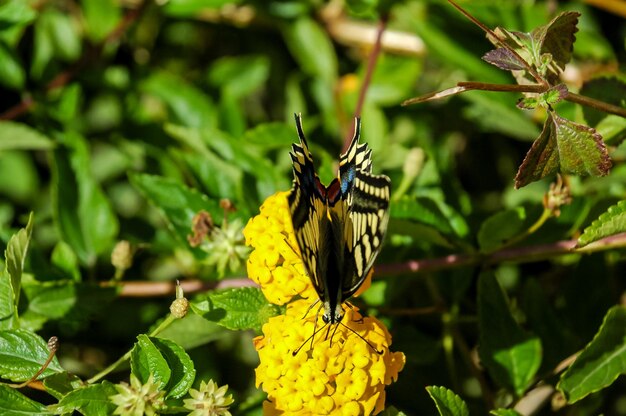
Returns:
point(166, 322)
point(597, 104)
point(545, 216)
point(371, 64)
point(515, 254)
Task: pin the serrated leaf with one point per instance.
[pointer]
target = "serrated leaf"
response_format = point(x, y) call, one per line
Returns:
point(14, 135)
point(22, 353)
point(511, 355)
point(546, 99)
point(91, 400)
point(236, 308)
point(14, 403)
point(557, 39)
point(448, 403)
point(311, 47)
point(504, 59)
point(611, 222)
point(147, 360)
point(50, 299)
point(564, 146)
point(179, 362)
point(602, 360)
point(82, 211)
point(500, 227)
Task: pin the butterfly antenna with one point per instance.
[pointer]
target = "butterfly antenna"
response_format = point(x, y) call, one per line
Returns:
point(360, 336)
point(311, 307)
point(315, 331)
point(298, 118)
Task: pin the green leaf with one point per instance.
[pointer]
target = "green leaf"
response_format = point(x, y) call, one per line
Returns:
point(511, 355)
point(11, 275)
point(237, 308)
point(60, 384)
point(611, 222)
point(188, 105)
point(64, 37)
point(505, 412)
point(547, 99)
point(12, 74)
point(178, 203)
point(448, 403)
point(52, 300)
point(146, 359)
point(602, 360)
point(91, 400)
point(392, 411)
point(64, 258)
point(14, 135)
point(311, 47)
point(82, 211)
point(239, 76)
point(393, 79)
point(15, 12)
point(271, 135)
point(22, 353)
point(192, 331)
point(191, 8)
point(610, 89)
point(612, 128)
point(14, 403)
point(179, 362)
point(564, 146)
point(101, 17)
point(500, 227)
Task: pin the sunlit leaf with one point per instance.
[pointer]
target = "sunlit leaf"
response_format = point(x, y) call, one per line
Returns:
point(601, 362)
point(566, 147)
point(448, 403)
point(611, 222)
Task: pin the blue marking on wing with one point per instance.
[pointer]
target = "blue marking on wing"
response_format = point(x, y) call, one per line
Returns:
point(347, 179)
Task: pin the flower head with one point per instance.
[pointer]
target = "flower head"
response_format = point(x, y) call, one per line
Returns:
point(345, 367)
point(275, 262)
point(209, 400)
point(339, 372)
point(138, 399)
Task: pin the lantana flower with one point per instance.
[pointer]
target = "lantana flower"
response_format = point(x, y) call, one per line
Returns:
point(344, 368)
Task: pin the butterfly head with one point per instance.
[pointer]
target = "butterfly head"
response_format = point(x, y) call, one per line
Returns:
point(332, 316)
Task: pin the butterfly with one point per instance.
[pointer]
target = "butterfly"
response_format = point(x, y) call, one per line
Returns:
point(339, 228)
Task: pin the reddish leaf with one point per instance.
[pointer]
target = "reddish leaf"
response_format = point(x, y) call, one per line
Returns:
point(504, 59)
point(567, 147)
point(557, 39)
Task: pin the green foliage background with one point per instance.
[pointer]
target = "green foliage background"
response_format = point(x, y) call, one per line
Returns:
point(123, 119)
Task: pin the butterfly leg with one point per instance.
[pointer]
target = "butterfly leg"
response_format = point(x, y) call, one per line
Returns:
point(311, 307)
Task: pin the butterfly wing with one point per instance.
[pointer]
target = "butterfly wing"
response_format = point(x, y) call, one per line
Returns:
point(365, 207)
point(307, 204)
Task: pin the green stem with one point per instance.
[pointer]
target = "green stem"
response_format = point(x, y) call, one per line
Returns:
point(545, 216)
point(166, 322)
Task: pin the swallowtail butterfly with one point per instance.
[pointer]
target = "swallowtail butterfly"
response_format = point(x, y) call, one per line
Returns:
point(340, 227)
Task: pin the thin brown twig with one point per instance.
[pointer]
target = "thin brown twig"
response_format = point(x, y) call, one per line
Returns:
point(371, 64)
point(141, 289)
point(514, 254)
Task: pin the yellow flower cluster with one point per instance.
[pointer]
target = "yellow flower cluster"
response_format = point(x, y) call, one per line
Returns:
point(275, 263)
point(340, 375)
point(337, 373)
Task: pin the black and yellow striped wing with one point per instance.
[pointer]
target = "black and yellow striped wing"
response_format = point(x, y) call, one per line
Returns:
point(339, 228)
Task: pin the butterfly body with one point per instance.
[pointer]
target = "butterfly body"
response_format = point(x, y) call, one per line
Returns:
point(340, 227)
